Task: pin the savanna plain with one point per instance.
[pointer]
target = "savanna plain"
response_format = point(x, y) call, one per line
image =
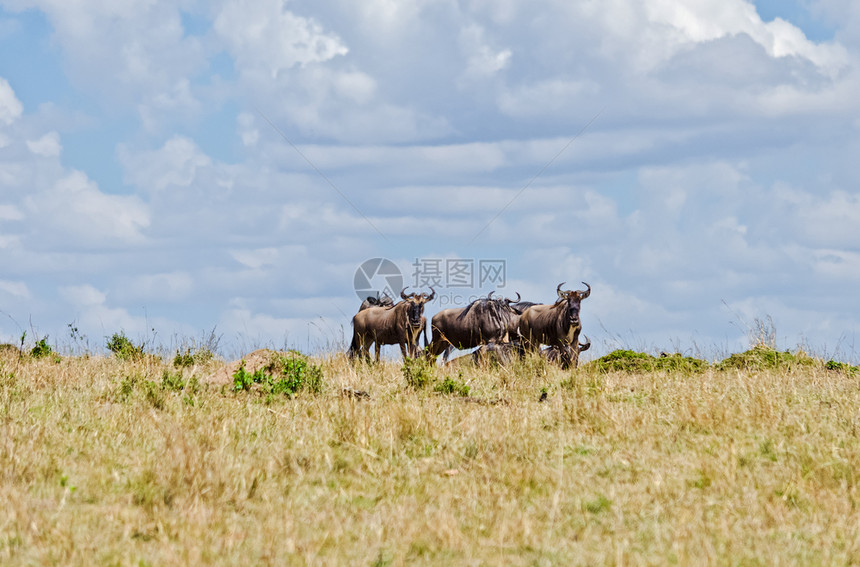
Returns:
point(129, 458)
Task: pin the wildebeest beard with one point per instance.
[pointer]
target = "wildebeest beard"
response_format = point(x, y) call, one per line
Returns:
point(414, 314)
point(573, 312)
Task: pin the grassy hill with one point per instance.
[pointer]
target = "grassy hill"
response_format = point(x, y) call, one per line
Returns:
point(133, 460)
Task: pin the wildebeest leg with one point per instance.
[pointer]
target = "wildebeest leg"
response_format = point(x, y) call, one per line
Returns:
point(378, 348)
point(448, 350)
point(359, 347)
point(406, 352)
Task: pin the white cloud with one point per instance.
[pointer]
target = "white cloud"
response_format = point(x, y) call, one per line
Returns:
point(10, 107)
point(256, 259)
point(130, 53)
point(83, 295)
point(247, 131)
point(156, 288)
point(265, 34)
point(46, 146)
point(10, 213)
point(16, 289)
point(482, 60)
point(73, 208)
point(697, 21)
point(173, 165)
point(96, 316)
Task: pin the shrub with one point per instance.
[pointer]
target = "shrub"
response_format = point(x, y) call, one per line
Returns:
point(841, 367)
point(450, 386)
point(173, 381)
point(297, 374)
point(761, 357)
point(200, 355)
point(418, 373)
point(123, 348)
point(631, 361)
point(41, 349)
point(285, 374)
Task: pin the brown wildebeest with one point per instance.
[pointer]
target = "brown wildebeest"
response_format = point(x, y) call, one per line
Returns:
point(504, 353)
point(564, 355)
point(499, 353)
point(400, 324)
point(483, 321)
point(378, 301)
point(556, 325)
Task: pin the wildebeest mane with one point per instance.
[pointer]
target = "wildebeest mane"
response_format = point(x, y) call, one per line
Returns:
point(497, 309)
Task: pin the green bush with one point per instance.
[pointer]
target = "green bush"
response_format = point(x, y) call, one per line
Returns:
point(631, 361)
point(761, 357)
point(841, 367)
point(418, 373)
point(285, 374)
point(123, 348)
point(450, 386)
point(190, 357)
point(41, 349)
point(173, 381)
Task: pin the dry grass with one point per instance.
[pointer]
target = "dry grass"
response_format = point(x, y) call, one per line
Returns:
point(101, 465)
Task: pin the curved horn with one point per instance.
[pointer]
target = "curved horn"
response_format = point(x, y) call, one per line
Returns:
point(584, 346)
point(432, 294)
point(517, 300)
point(403, 295)
point(558, 290)
point(584, 294)
point(490, 295)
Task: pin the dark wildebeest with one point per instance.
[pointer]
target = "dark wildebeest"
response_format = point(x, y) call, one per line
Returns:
point(397, 325)
point(564, 355)
point(378, 301)
point(556, 325)
point(483, 321)
point(504, 353)
point(499, 353)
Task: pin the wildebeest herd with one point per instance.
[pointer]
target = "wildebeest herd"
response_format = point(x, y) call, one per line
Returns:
point(502, 329)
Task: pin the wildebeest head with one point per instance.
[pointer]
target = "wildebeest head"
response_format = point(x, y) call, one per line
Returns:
point(415, 309)
point(572, 300)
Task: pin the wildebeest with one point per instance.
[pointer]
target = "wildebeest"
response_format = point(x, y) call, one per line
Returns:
point(379, 301)
point(400, 324)
point(499, 353)
point(556, 325)
point(483, 321)
point(521, 306)
point(505, 353)
point(565, 355)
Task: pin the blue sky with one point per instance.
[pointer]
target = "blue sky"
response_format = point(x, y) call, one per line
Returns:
point(695, 164)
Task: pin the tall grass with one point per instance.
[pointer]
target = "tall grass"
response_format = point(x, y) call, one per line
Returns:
point(139, 462)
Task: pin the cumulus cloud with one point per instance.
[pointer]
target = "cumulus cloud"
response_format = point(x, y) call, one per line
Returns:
point(95, 313)
point(16, 289)
point(265, 34)
point(10, 106)
point(132, 53)
point(173, 165)
point(46, 146)
point(482, 59)
point(73, 209)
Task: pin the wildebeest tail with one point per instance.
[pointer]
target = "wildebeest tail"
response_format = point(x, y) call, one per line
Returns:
point(353, 347)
